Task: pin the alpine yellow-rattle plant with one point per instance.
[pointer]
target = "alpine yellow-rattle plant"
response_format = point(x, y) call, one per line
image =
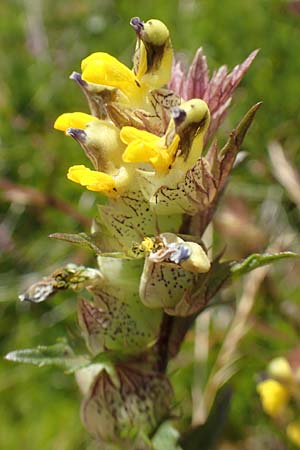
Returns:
point(147, 139)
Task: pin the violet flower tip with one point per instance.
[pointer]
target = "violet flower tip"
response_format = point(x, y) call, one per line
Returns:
point(137, 24)
point(76, 76)
point(178, 115)
point(77, 134)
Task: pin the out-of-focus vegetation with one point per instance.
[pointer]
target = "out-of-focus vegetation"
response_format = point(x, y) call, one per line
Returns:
point(42, 42)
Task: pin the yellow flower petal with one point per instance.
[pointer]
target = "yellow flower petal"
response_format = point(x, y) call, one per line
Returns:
point(274, 396)
point(102, 68)
point(148, 148)
point(130, 134)
point(93, 180)
point(161, 162)
point(73, 120)
point(293, 433)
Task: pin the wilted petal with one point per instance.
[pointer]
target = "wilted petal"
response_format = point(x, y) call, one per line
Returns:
point(69, 277)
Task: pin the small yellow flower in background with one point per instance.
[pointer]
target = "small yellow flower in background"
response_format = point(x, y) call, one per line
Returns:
point(280, 369)
point(145, 147)
point(73, 120)
point(93, 180)
point(274, 396)
point(293, 433)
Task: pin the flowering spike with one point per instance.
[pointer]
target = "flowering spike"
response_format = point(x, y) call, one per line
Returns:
point(145, 143)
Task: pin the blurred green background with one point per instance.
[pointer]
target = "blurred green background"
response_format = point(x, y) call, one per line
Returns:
point(41, 43)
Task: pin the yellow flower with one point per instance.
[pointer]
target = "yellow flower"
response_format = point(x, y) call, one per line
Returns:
point(293, 433)
point(73, 120)
point(280, 369)
point(93, 180)
point(152, 65)
point(154, 55)
point(274, 397)
point(102, 68)
point(145, 147)
point(191, 121)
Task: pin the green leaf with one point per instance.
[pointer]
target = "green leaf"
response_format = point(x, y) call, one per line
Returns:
point(257, 260)
point(58, 355)
point(206, 436)
point(166, 438)
point(82, 239)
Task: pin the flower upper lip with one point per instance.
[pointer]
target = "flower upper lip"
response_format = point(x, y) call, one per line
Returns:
point(137, 24)
point(76, 76)
point(77, 134)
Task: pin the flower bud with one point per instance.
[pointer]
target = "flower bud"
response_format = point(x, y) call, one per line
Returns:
point(121, 409)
